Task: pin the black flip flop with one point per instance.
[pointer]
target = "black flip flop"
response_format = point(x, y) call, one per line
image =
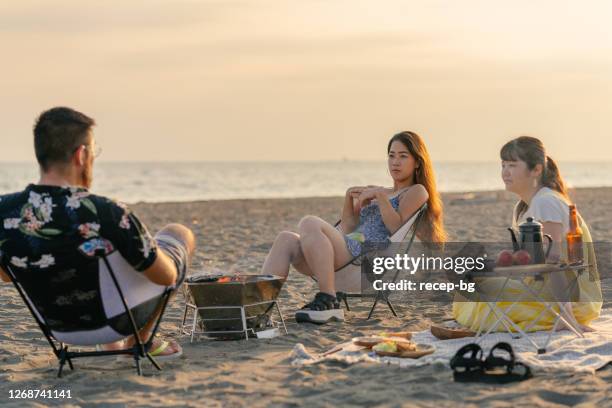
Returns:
point(467, 363)
point(502, 370)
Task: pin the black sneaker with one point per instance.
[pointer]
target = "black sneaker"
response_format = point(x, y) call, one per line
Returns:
point(321, 310)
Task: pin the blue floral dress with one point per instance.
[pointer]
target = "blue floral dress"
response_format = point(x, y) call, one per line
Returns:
point(372, 231)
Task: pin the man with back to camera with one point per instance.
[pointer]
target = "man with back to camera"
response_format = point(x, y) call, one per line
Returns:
point(44, 225)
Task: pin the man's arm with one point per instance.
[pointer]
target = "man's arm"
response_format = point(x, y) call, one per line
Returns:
point(162, 271)
point(131, 238)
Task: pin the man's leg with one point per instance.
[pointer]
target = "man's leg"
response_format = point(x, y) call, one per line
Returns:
point(178, 242)
point(182, 234)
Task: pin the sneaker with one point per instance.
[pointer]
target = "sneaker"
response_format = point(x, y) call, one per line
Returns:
point(321, 310)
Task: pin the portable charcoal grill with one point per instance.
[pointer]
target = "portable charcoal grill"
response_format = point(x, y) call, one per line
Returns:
point(231, 307)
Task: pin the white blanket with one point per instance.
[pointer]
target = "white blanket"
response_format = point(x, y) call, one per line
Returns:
point(565, 352)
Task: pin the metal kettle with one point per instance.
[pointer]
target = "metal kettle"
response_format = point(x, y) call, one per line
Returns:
point(531, 239)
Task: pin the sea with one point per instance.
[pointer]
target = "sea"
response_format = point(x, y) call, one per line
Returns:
point(189, 181)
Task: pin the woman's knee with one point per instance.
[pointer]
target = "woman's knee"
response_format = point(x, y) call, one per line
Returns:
point(289, 243)
point(309, 224)
point(287, 238)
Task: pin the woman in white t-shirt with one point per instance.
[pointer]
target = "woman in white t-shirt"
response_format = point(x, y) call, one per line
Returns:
point(532, 175)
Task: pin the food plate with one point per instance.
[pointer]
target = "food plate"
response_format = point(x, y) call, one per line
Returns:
point(406, 335)
point(371, 341)
point(368, 341)
point(446, 333)
point(421, 350)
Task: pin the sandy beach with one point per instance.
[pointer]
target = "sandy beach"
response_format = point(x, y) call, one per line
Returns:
point(236, 235)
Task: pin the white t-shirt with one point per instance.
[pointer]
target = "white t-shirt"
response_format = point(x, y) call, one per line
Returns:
point(546, 205)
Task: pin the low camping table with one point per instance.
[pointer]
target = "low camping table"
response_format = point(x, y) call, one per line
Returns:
point(519, 273)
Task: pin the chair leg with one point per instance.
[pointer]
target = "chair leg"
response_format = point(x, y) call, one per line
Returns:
point(70, 364)
point(373, 307)
point(61, 367)
point(152, 360)
point(386, 299)
point(137, 360)
point(341, 296)
point(391, 307)
point(62, 361)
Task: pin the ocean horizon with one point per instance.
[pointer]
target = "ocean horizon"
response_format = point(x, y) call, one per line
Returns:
point(221, 180)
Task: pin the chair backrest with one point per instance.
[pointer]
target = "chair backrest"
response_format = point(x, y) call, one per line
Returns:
point(402, 239)
point(62, 299)
point(410, 226)
point(84, 304)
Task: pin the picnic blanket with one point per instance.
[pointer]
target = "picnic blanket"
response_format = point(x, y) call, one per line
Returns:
point(566, 352)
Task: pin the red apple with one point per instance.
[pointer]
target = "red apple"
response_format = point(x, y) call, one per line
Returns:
point(521, 257)
point(504, 258)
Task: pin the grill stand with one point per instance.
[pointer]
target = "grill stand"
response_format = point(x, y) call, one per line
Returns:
point(197, 328)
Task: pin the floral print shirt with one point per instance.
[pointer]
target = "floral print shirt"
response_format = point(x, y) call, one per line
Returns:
point(49, 226)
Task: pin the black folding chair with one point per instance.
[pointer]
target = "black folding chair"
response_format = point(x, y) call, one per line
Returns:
point(25, 284)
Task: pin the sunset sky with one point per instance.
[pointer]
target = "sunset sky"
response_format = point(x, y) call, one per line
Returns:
point(310, 79)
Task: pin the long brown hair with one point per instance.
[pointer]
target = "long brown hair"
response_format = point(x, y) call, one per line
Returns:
point(531, 151)
point(433, 230)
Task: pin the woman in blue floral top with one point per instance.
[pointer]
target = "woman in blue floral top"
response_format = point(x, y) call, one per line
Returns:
point(369, 216)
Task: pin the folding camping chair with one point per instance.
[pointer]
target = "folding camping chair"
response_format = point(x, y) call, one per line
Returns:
point(531, 294)
point(348, 278)
point(112, 297)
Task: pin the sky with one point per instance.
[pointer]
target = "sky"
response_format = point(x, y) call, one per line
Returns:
point(310, 79)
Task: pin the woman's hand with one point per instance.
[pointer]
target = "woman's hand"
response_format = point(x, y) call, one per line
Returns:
point(355, 191)
point(370, 193)
point(351, 205)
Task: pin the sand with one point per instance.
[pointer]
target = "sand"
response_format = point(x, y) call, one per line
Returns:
point(236, 235)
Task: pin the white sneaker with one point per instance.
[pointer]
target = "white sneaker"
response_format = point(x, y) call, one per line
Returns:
point(322, 309)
